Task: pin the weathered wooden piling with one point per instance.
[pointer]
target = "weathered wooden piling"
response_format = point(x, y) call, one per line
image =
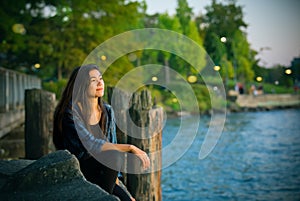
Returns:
point(39, 108)
point(147, 129)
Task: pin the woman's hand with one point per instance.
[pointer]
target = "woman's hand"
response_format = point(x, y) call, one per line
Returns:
point(142, 155)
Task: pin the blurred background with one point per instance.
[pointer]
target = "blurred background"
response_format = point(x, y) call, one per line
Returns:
point(49, 38)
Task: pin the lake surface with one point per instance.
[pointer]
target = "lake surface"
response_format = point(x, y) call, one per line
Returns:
point(257, 157)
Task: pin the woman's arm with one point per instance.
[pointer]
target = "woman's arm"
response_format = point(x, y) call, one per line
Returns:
point(131, 149)
point(95, 146)
point(111, 125)
point(90, 143)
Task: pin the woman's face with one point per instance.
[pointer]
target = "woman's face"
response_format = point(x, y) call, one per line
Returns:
point(96, 84)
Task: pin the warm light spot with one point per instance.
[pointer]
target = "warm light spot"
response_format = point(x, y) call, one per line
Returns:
point(103, 58)
point(223, 39)
point(174, 100)
point(288, 71)
point(19, 29)
point(65, 19)
point(259, 79)
point(154, 79)
point(37, 65)
point(217, 68)
point(192, 79)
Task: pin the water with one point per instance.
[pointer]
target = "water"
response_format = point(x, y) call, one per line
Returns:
point(256, 158)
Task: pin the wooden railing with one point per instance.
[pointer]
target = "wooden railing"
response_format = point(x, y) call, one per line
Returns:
point(12, 94)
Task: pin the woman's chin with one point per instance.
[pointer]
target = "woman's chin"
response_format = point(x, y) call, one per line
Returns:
point(99, 94)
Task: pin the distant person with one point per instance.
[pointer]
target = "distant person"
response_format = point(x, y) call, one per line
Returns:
point(296, 87)
point(236, 87)
point(85, 125)
point(253, 90)
point(260, 90)
point(239, 87)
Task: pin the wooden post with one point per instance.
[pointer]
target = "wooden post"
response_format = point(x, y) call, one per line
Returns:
point(149, 120)
point(39, 108)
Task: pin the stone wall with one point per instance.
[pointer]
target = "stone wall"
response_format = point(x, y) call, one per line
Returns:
point(268, 101)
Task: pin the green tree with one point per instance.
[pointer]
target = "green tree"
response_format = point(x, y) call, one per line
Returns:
point(227, 68)
point(13, 32)
point(215, 48)
point(194, 35)
point(189, 28)
point(234, 53)
point(242, 57)
point(224, 19)
point(170, 23)
point(60, 34)
point(184, 14)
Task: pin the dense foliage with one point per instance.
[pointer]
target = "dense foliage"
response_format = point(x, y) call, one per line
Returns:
point(50, 38)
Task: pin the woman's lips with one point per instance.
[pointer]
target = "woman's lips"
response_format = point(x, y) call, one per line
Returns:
point(100, 89)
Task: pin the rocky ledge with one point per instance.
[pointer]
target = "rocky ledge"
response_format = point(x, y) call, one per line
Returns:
point(56, 176)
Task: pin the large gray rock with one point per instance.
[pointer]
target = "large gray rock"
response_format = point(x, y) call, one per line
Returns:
point(55, 176)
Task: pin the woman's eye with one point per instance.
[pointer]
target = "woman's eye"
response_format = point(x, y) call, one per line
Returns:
point(93, 80)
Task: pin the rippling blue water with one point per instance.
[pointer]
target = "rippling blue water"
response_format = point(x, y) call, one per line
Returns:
point(257, 158)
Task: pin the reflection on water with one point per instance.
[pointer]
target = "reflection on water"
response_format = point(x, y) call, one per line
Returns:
point(256, 158)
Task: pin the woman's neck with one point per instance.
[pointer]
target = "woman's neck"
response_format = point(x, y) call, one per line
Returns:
point(94, 104)
point(95, 114)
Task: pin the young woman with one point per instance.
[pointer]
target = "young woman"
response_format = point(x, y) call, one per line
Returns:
point(85, 125)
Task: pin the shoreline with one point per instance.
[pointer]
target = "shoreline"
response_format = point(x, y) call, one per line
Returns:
point(250, 103)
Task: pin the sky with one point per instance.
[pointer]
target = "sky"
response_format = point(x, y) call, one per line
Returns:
point(273, 26)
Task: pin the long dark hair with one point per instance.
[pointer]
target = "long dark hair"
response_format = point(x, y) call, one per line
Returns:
point(76, 92)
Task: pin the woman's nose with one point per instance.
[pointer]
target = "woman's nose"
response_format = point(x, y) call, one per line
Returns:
point(100, 82)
